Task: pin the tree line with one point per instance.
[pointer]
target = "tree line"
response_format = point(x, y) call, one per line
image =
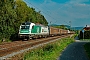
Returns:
point(12, 14)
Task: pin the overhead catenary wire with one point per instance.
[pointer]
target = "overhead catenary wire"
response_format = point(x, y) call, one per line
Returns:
point(40, 10)
point(48, 12)
point(56, 13)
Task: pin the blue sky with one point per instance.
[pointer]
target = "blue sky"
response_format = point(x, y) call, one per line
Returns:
point(63, 11)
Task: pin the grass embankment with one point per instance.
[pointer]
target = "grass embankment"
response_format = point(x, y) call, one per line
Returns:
point(87, 49)
point(49, 52)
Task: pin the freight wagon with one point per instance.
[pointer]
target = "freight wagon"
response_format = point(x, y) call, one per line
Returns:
point(54, 31)
point(63, 32)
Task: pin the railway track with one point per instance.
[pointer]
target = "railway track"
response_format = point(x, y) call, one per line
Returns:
point(15, 46)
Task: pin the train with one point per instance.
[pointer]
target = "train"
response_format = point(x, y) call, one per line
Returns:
point(31, 30)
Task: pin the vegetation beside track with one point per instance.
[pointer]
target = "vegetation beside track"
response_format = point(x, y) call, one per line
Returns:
point(87, 49)
point(49, 52)
point(12, 14)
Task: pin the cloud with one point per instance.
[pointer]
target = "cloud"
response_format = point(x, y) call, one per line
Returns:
point(70, 10)
point(78, 1)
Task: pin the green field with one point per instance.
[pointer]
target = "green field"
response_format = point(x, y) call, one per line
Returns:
point(49, 52)
point(87, 49)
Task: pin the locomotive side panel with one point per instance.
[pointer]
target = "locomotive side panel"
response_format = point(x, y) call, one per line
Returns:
point(40, 31)
point(44, 30)
point(36, 29)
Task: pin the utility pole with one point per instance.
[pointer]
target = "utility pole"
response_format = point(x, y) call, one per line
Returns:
point(50, 23)
point(83, 33)
point(70, 24)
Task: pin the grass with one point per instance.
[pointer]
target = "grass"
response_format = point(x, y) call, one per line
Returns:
point(84, 39)
point(5, 41)
point(87, 49)
point(49, 52)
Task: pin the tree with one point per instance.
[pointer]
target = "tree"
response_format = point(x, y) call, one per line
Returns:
point(12, 14)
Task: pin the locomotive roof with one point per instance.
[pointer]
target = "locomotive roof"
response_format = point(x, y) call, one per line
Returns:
point(26, 23)
point(41, 25)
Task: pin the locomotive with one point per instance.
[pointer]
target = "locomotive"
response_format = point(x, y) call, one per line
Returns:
point(31, 30)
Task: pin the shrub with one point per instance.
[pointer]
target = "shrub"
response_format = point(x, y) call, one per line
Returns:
point(86, 35)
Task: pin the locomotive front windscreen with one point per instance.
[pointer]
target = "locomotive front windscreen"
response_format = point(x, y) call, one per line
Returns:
point(25, 25)
point(24, 28)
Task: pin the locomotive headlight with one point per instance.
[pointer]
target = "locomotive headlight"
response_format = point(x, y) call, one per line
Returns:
point(21, 35)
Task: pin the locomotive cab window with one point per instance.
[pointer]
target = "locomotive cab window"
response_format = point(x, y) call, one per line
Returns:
point(22, 27)
point(27, 27)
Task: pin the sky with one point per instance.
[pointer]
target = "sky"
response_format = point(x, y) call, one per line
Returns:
point(67, 12)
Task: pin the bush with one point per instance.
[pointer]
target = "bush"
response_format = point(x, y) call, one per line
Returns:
point(87, 49)
point(86, 35)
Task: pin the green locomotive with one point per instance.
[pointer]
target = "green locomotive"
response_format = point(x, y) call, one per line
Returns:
point(30, 30)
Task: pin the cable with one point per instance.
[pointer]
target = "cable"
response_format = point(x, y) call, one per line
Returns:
point(39, 9)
